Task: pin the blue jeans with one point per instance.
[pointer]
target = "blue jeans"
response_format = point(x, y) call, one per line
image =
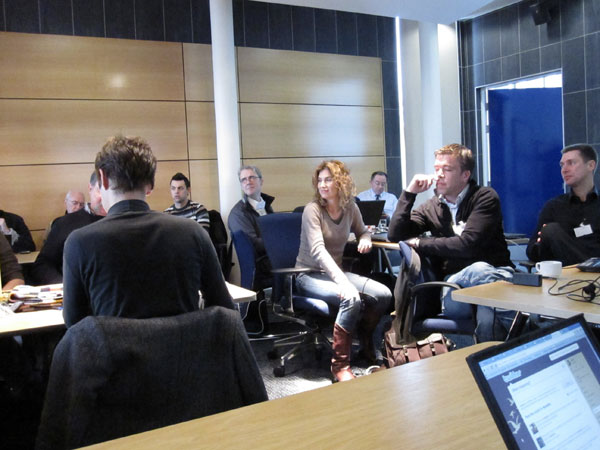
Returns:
point(319, 285)
point(492, 323)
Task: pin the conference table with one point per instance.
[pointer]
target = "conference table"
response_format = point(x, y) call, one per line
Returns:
point(52, 319)
point(534, 299)
point(429, 404)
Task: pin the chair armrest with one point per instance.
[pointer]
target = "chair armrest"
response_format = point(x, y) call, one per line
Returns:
point(432, 284)
point(529, 265)
point(291, 270)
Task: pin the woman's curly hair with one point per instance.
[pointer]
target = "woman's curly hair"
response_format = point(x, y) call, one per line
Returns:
point(341, 178)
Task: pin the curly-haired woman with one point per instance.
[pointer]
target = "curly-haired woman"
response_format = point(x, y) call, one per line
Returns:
point(326, 224)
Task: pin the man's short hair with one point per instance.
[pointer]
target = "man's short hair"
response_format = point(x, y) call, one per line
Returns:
point(463, 155)
point(379, 172)
point(254, 168)
point(127, 162)
point(181, 177)
point(587, 151)
point(94, 179)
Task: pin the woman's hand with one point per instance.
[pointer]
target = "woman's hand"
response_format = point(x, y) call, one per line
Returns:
point(349, 292)
point(364, 245)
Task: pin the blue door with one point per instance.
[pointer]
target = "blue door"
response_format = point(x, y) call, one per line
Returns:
point(525, 142)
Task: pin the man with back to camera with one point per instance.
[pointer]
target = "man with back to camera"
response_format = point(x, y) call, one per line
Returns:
point(183, 206)
point(467, 237)
point(48, 266)
point(378, 192)
point(568, 228)
point(243, 216)
point(135, 262)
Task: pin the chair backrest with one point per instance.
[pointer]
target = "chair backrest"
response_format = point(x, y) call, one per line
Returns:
point(111, 376)
point(281, 237)
point(246, 258)
point(218, 236)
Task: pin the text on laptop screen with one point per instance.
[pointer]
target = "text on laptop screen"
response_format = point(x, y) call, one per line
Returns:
point(548, 390)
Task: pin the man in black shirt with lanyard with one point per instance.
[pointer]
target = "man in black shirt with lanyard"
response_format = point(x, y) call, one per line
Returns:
point(568, 228)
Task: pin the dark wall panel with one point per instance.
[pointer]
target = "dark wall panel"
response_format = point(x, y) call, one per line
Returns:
point(570, 42)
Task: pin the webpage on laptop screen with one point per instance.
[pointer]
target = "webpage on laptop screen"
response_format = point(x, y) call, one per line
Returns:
point(549, 390)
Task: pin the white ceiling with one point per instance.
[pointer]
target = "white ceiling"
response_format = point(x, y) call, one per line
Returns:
point(436, 11)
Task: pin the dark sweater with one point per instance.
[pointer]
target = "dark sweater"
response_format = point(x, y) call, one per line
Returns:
point(139, 263)
point(481, 240)
point(569, 212)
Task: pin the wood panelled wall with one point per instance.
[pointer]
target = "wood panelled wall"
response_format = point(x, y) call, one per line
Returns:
point(61, 97)
point(297, 109)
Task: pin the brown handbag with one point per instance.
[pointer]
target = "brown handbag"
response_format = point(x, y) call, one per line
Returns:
point(398, 354)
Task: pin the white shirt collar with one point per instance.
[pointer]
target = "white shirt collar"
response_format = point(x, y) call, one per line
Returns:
point(259, 206)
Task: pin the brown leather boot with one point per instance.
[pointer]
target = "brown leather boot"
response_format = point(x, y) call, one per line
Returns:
point(340, 362)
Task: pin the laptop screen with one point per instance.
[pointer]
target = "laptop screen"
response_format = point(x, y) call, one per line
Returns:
point(543, 389)
point(371, 211)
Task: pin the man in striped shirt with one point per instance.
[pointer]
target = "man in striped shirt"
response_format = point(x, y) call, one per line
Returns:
point(183, 206)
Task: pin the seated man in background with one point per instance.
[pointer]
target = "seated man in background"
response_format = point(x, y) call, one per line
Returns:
point(74, 201)
point(16, 232)
point(465, 223)
point(568, 228)
point(183, 206)
point(10, 270)
point(243, 216)
point(135, 262)
point(48, 266)
point(378, 192)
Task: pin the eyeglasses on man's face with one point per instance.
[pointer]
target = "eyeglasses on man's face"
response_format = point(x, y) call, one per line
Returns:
point(248, 179)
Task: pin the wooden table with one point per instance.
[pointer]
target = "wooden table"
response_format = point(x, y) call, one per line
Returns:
point(532, 299)
point(45, 320)
point(430, 404)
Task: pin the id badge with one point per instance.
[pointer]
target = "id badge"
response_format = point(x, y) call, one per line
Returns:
point(583, 230)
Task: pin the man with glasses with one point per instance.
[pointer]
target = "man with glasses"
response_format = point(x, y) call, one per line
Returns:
point(74, 201)
point(378, 192)
point(254, 203)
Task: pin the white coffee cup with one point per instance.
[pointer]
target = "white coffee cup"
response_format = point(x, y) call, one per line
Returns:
point(549, 269)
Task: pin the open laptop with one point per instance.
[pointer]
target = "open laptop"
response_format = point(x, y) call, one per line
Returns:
point(371, 211)
point(543, 388)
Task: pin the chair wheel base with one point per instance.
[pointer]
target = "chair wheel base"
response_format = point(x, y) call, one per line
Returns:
point(279, 371)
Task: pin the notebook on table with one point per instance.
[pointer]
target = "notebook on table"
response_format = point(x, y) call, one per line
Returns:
point(543, 388)
point(371, 211)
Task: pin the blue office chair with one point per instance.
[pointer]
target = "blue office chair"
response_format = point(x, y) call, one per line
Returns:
point(281, 236)
point(427, 312)
point(246, 259)
point(418, 305)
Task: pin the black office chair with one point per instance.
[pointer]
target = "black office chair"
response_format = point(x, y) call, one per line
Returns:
point(113, 376)
point(281, 236)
